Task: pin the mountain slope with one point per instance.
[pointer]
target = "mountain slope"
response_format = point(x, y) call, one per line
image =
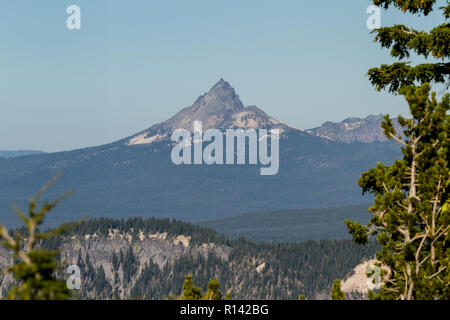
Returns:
point(18, 153)
point(219, 108)
point(135, 176)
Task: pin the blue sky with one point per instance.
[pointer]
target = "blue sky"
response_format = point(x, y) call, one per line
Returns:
point(136, 63)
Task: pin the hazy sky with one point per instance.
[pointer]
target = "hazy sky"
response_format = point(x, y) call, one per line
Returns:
point(136, 63)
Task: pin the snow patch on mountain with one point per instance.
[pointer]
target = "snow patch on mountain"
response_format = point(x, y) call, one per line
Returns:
point(144, 139)
point(352, 125)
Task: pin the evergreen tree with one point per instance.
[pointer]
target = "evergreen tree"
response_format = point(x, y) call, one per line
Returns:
point(336, 292)
point(129, 265)
point(403, 41)
point(410, 213)
point(190, 291)
point(89, 268)
point(101, 284)
point(35, 269)
point(213, 292)
point(115, 261)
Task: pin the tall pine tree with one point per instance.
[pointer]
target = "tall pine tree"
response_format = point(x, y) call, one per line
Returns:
point(411, 215)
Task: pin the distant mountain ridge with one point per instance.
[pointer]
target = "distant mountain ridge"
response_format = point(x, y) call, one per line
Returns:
point(350, 130)
point(18, 153)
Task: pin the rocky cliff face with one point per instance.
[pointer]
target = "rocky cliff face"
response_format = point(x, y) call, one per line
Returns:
point(148, 259)
point(159, 249)
point(134, 252)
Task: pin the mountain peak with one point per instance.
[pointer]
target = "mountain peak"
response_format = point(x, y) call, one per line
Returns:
point(212, 108)
point(223, 87)
point(219, 108)
point(222, 84)
point(221, 98)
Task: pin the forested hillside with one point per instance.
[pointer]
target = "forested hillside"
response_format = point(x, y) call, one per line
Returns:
point(291, 225)
point(18, 153)
point(148, 259)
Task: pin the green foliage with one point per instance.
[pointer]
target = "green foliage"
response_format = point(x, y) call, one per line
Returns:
point(409, 213)
point(403, 41)
point(34, 269)
point(191, 292)
point(410, 216)
point(336, 292)
point(213, 292)
point(412, 6)
point(358, 231)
